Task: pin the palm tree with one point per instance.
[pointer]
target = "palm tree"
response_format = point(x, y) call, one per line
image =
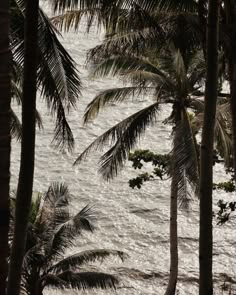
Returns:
point(5, 148)
point(52, 231)
point(134, 25)
point(169, 80)
point(26, 175)
point(206, 161)
point(50, 68)
point(57, 76)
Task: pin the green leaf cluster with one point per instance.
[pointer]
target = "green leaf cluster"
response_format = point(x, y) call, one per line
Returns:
point(160, 162)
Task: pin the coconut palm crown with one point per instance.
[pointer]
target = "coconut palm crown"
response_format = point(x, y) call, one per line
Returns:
point(167, 78)
point(51, 231)
point(58, 82)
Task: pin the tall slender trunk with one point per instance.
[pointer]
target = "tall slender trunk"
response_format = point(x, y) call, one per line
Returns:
point(206, 161)
point(232, 70)
point(230, 53)
point(26, 175)
point(5, 139)
point(171, 288)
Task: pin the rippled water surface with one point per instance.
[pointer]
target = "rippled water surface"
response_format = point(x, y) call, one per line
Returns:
point(135, 221)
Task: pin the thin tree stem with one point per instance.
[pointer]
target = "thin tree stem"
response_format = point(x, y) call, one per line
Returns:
point(5, 140)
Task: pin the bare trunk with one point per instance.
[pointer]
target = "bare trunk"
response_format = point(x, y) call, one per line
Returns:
point(206, 161)
point(26, 176)
point(171, 288)
point(5, 139)
point(233, 108)
point(231, 56)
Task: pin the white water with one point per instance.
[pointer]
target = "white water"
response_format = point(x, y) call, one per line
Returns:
point(135, 221)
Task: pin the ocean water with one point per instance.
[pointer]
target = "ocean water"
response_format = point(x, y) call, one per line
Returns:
point(134, 221)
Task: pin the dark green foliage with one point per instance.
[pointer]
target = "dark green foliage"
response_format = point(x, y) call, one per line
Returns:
point(57, 77)
point(163, 161)
point(226, 208)
point(51, 231)
point(160, 162)
point(227, 186)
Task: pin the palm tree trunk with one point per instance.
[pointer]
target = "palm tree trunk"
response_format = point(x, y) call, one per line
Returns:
point(171, 288)
point(232, 69)
point(26, 176)
point(230, 20)
point(206, 161)
point(5, 139)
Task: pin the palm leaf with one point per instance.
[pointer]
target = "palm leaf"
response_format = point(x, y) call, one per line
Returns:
point(64, 235)
point(181, 74)
point(53, 281)
point(122, 65)
point(197, 70)
point(89, 280)
point(223, 136)
point(15, 126)
point(135, 41)
point(76, 260)
point(57, 195)
point(126, 134)
point(185, 157)
point(168, 5)
point(114, 95)
point(57, 74)
point(71, 19)
point(114, 19)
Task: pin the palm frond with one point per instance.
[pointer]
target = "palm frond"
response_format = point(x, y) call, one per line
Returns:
point(121, 65)
point(89, 280)
point(76, 260)
point(126, 134)
point(223, 136)
point(71, 19)
point(168, 5)
point(183, 30)
point(113, 160)
point(181, 74)
point(133, 41)
point(197, 70)
point(53, 281)
point(62, 5)
point(54, 210)
point(185, 157)
point(114, 95)
point(16, 91)
point(57, 195)
point(57, 74)
point(16, 130)
point(64, 235)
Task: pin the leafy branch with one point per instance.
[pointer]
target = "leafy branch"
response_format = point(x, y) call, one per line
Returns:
point(160, 162)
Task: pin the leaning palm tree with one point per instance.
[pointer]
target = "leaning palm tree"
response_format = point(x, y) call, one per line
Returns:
point(169, 80)
point(5, 90)
point(52, 231)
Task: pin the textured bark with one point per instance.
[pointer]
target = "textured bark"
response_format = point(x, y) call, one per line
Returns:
point(206, 161)
point(171, 288)
point(26, 175)
point(5, 140)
